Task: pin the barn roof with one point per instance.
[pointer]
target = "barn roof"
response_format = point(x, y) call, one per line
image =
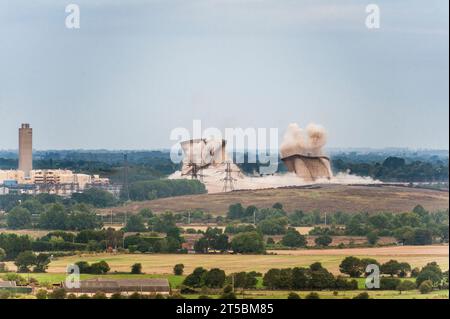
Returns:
point(122, 285)
point(7, 284)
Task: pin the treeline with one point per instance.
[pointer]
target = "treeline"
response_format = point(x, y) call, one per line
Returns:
point(396, 169)
point(418, 227)
point(60, 241)
point(33, 214)
point(93, 197)
point(148, 190)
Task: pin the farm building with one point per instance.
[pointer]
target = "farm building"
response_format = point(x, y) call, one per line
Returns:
point(110, 286)
point(13, 288)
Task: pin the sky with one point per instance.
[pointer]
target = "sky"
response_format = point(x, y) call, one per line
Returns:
point(137, 69)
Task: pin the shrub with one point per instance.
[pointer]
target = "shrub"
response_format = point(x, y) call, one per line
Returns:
point(41, 294)
point(99, 295)
point(178, 269)
point(293, 239)
point(389, 283)
point(323, 240)
point(362, 295)
point(4, 294)
point(426, 287)
point(136, 268)
point(293, 295)
point(246, 243)
point(406, 285)
point(58, 293)
point(312, 295)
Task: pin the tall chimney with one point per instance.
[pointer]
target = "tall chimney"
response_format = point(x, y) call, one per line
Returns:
point(26, 149)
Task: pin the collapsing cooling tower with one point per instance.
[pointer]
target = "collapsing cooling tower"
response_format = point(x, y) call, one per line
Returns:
point(202, 153)
point(305, 158)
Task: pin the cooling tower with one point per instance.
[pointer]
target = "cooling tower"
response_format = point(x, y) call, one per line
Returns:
point(308, 168)
point(201, 153)
point(303, 156)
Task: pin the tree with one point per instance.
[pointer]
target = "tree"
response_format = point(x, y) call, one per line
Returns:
point(33, 206)
point(244, 280)
point(235, 211)
point(392, 268)
point(201, 246)
point(25, 260)
point(195, 279)
point(428, 275)
point(18, 218)
point(273, 226)
point(41, 262)
point(178, 269)
point(368, 261)
point(372, 238)
point(351, 266)
point(321, 278)
point(426, 287)
point(215, 278)
point(293, 239)
point(405, 268)
point(135, 223)
point(301, 278)
point(246, 243)
point(54, 217)
point(96, 197)
point(277, 206)
point(323, 240)
point(84, 267)
point(2, 254)
point(101, 267)
point(14, 244)
point(136, 268)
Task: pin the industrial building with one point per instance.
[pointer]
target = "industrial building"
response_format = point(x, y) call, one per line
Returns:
point(25, 180)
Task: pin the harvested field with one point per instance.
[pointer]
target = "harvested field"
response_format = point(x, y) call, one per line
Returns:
point(417, 256)
point(323, 198)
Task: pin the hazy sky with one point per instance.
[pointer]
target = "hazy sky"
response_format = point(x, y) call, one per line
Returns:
point(137, 69)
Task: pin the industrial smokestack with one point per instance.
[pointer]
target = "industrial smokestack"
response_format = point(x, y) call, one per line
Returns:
point(26, 149)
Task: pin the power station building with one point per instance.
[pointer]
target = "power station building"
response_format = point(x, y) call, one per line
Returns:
point(26, 149)
point(57, 181)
